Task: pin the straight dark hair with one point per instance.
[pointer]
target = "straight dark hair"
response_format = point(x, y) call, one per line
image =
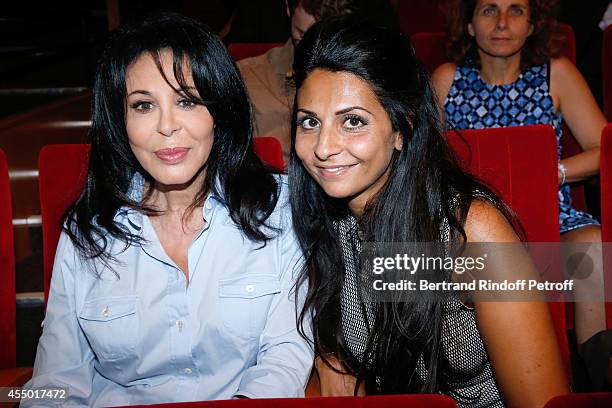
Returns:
point(425, 189)
point(233, 172)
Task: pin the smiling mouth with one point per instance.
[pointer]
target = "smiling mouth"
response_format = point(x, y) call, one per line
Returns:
point(172, 155)
point(335, 171)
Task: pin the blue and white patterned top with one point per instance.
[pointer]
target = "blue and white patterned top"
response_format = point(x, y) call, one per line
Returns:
point(473, 104)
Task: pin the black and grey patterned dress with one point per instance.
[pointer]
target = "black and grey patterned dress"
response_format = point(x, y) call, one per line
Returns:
point(470, 380)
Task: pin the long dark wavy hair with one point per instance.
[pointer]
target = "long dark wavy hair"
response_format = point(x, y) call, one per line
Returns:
point(233, 171)
point(425, 189)
point(543, 44)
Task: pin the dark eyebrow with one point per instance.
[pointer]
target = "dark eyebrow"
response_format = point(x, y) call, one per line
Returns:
point(140, 91)
point(307, 112)
point(350, 108)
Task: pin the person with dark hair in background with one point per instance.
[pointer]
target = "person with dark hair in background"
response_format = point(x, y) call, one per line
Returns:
point(174, 272)
point(268, 76)
point(506, 71)
point(369, 165)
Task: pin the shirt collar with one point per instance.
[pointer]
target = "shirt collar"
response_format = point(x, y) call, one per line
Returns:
point(135, 193)
point(283, 60)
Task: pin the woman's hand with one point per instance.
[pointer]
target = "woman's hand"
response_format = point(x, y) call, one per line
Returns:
point(333, 383)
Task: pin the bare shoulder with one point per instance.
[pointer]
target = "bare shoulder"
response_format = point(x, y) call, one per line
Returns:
point(562, 69)
point(442, 79)
point(445, 71)
point(486, 223)
point(443, 76)
point(566, 82)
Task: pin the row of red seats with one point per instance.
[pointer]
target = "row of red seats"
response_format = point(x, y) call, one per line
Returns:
point(593, 400)
point(519, 162)
point(506, 158)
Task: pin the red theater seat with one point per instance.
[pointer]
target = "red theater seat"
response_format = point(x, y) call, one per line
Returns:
point(586, 400)
point(10, 376)
point(420, 16)
point(605, 174)
point(521, 164)
point(430, 48)
point(606, 66)
point(62, 171)
point(382, 401)
point(269, 151)
point(7, 271)
point(240, 51)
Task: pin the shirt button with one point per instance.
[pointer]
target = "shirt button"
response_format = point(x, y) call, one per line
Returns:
point(187, 371)
point(180, 324)
point(208, 206)
point(249, 288)
point(106, 311)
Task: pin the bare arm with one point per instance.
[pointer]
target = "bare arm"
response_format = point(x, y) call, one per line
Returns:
point(574, 100)
point(519, 336)
point(442, 79)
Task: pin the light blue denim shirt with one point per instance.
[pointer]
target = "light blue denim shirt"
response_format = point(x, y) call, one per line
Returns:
point(146, 337)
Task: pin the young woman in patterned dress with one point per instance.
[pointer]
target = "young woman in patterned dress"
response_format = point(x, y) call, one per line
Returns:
point(506, 71)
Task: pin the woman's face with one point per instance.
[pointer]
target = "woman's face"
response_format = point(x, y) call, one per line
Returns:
point(169, 134)
point(344, 136)
point(501, 27)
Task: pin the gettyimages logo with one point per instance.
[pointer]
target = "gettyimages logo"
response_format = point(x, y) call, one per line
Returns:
point(552, 272)
point(413, 264)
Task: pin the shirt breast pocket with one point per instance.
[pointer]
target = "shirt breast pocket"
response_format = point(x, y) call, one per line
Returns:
point(244, 303)
point(111, 326)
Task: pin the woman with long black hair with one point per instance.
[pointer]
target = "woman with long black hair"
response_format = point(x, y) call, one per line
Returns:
point(174, 272)
point(369, 165)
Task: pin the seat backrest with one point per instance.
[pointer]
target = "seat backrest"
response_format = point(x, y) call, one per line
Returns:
point(8, 327)
point(420, 16)
point(269, 151)
point(605, 181)
point(372, 401)
point(240, 51)
point(606, 69)
point(430, 46)
point(62, 171)
point(581, 400)
point(521, 164)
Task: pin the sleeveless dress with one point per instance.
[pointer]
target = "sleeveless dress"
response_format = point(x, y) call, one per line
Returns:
point(473, 104)
point(468, 376)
